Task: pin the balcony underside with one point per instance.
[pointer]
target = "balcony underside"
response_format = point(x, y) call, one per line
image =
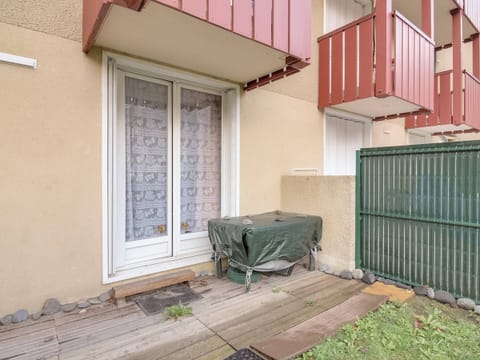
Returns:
point(168, 36)
point(376, 108)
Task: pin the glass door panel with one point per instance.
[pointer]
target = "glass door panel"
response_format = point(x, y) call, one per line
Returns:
point(146, 159)
point(200, 159)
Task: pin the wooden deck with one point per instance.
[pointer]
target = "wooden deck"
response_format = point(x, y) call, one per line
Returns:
point(225, 319)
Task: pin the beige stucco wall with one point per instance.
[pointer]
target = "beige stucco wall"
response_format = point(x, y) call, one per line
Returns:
point(281, 129)
point(60, 17)
point(389, 133)
point(278, 133)
point(50, 151)
point(332, 198)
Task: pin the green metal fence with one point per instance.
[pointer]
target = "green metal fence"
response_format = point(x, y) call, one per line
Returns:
point(418, 215)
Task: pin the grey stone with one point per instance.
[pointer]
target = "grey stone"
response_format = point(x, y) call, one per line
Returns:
point(107, 295)
point(247, 222)
point(420, 290)
point(477, 309)
point(94, 301)
point(444, 297)
point(51, 306)
point(389, 282)
point(369, 278)
point(336, 273)
point(69, 307)
point(329, 272)
point(19, 316)
point(357, 274)
point(83, 304)
point(324, 267)
point(347, 275)
point(467, 304)
point(7, 319)
point(403, 286)
point(431, 293)
point(37, 315)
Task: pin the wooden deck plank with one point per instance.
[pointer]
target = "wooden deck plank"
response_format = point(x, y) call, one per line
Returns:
point(226, 313)
point(91, 312)
point(88, 326)
point(109, 331)
point(302, 337)
point(32, 346)
point(277, 325)
point(152, 341)
point(220, 353)
point(33, 327)
point(196, 350)
point(255, 313)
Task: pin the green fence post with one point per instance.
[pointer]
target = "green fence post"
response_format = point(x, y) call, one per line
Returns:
point(358, 180)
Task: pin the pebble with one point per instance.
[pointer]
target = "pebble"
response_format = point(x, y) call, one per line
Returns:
point(347, 275)
point(107, 295)
point(403, 286)
point(444, 297)
point(336, 273)
point(51, 306)
point(467, 304)
point(420, 290)
point(357, 274)
point(477, 309)
point(431, 293)
point(94, 301)
point(7, 319)
point(37, 315)
point(83, 304)
point(369, 278)
point(69, 307)
point(247, 222)
point(19, 316)
point(389, 282)
point(324, 267)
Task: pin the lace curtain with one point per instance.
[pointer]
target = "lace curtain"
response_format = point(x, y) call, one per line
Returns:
point(146, 140)
point(146, 165)
point(201, 129)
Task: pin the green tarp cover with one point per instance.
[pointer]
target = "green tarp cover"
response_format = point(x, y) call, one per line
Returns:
point(270, 236)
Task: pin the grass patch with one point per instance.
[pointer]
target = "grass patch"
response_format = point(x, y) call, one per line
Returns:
point(178, 310)
point(419, 329)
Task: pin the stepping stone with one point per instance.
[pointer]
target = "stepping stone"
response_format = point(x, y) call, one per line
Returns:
point(19, 316)
point(51, 306)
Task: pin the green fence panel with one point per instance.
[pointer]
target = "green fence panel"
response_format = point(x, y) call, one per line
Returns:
point(418, 215)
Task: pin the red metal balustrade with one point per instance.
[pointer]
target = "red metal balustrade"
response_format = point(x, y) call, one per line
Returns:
point(281, 24)
point(443, 109)
point(472, 11)
point(348, 62)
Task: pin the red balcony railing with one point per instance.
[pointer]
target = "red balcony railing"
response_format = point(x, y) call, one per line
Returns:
point(346, 64)
point(472, 11)
point(349, 58)
point(414, 63)
point(441, 120)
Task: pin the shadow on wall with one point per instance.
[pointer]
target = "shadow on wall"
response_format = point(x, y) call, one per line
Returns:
point(332, 198)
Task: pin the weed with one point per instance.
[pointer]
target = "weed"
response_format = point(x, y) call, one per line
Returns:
point(276, 290)
point(178, 310)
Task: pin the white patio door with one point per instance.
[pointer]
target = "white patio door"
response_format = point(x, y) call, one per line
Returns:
point(143, 171)
point(167, 143)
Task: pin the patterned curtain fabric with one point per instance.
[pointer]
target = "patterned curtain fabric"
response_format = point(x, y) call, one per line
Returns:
point(146, 132)
point(201, 129)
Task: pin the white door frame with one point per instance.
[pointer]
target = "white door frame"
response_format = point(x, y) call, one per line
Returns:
point(230, 158)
